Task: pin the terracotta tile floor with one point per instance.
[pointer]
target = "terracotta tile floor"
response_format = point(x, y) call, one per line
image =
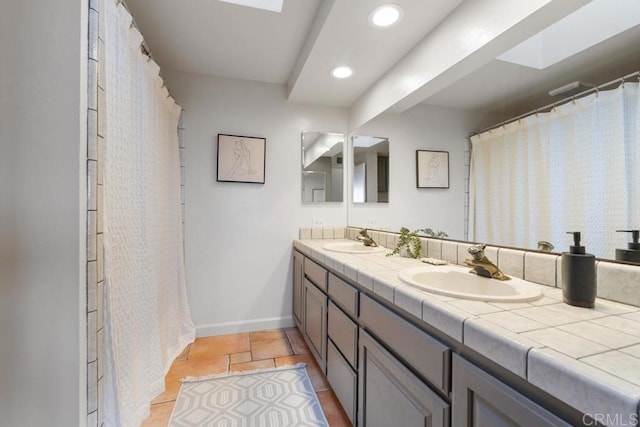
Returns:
point(240, 352)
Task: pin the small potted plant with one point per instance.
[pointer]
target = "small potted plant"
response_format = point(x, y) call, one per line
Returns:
point(409, 244)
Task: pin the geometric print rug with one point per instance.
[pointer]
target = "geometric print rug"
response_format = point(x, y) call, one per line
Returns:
point(274, 397)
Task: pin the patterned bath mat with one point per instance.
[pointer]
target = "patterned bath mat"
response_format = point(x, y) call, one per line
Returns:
point(275, 397)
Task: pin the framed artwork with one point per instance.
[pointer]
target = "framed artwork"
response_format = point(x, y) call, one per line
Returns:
point(241, 159)
point(432, 169)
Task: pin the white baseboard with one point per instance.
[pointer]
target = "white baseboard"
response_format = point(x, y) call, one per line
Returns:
point(243, 326)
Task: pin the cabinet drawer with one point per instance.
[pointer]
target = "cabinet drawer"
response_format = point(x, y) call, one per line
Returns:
point(344, 333)
point(428, 356)
point(345, 295)
point(343, 380)
point(315, 273)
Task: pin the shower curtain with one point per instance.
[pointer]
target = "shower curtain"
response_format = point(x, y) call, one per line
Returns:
point(574, 168)
point(147, 318)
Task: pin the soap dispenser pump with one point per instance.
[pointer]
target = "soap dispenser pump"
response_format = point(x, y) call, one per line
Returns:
point(578, 275)
point(633, 253)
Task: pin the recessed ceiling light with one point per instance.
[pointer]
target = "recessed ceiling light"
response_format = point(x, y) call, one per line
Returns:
point(342, 72)
point(385, 15)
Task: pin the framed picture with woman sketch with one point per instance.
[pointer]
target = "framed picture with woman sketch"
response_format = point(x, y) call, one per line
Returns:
point(432, 169)
point(241, 159)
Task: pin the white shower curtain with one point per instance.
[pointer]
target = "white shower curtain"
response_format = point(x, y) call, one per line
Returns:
point(147, 318)
point(575, 168)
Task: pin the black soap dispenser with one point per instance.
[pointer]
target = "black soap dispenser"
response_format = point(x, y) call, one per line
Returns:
point(578, 275)
point(633, 253)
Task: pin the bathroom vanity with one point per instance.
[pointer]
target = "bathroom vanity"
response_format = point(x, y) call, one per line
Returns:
point(395, 355)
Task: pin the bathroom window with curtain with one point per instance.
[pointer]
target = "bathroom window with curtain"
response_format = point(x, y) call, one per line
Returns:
point(574, 168)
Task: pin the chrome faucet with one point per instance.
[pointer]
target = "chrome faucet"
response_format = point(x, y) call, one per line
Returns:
point(481, 265)
point(364, 237)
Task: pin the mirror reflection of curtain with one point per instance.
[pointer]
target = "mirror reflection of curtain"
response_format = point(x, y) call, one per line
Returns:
point(572, 169)
point(359, 183)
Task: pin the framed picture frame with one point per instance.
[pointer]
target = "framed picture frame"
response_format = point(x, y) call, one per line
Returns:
point(241, 159)
point(432, 169)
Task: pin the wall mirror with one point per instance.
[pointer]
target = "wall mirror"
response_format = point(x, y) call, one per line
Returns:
point(503, 89)
point(370, 182)
point(322, 167)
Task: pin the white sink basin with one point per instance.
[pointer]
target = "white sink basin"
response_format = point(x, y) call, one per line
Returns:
point(352, 248)
point(459, 283)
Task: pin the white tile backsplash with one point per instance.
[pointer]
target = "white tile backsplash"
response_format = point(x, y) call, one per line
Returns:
point(305, 233)
point(435, 248)
point(463, 252)
point(540, 268)
point(616, 282)
point(327, 232)
point(450, 251)
point(511, 262)
point(619, 282)
point(491, 252)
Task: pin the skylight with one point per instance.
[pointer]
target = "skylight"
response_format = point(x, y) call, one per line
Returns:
point(271, 5)
point(593, 23)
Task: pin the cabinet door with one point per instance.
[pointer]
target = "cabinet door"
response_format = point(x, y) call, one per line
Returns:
point(315, 322)
point(298, 275)
point(480, 400)
point(390, 395)
point(343, 380)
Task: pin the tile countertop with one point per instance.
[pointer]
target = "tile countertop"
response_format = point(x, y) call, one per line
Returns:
point(588, 358)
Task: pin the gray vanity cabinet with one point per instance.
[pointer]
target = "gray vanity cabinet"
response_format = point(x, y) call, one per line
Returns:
point(315, 322)
point(481, 400)
point(427, 356)
point(314, 310)
point(391, 395)
point(342, 347)
point(298, 283)
point(343, 380)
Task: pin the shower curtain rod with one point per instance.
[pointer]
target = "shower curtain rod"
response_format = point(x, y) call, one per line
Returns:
point(144, 48)
point(553, 105)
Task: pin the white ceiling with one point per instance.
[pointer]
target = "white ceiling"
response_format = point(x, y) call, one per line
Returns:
point(299, 46)
point(222, 39)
